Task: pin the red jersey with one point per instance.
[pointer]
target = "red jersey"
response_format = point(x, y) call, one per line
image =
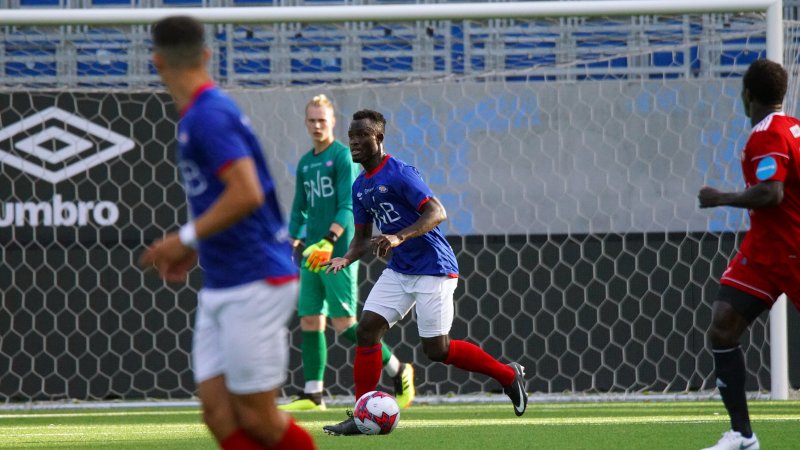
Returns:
point(773, 153)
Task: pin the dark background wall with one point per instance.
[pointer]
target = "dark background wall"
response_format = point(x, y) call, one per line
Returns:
point(584, 314)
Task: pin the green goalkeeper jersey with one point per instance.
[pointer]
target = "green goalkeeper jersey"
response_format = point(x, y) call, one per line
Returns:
point(323, 195)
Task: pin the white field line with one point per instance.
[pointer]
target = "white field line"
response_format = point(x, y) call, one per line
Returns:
point(188, 412)
point(105, 432)
point(556, 421)
point(178, 431)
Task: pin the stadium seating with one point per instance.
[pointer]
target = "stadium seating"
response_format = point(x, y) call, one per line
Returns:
point(523, 50)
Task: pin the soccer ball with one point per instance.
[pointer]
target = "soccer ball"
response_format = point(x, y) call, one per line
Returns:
point(376, 412)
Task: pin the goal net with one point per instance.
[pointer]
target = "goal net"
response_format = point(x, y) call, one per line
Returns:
point(568, 152)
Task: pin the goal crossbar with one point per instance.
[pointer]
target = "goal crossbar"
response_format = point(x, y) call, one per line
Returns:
point(331, 14)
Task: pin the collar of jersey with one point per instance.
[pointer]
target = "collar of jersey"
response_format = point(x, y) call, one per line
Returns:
point(769, 117)
point(197, 93)
point(380, 166)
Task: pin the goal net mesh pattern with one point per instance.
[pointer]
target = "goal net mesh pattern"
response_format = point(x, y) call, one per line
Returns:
point(568, 153)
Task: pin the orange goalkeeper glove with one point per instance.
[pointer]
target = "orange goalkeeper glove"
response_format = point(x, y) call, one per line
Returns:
point(317, 254)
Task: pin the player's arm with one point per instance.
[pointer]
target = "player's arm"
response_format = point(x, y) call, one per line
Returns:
point(764, 166)
point(762, 195)
point(299, 212)
point(358, 248)
point(298, 216)
point(432, 213)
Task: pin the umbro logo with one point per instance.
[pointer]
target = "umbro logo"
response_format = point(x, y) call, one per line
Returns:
point(54, 145)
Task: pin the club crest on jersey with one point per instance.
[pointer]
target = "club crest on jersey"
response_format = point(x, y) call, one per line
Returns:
point(328, 163)
point(183, 138)
point(383, 189)
point(767, 167)
point(795, 129)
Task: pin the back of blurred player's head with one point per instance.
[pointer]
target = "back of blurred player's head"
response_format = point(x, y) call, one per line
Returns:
point(180, 40)
point(320, 100)
point(377, 119)
point(767, 82)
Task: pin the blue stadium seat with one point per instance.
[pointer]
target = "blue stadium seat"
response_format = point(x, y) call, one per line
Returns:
point(527, 48)
point(42, 3)
point(250, 56)
point(325, 2)
point(115, 3)
point(103, 52)
point(171, 3)
point(742, 51)
point(317, 49)
point(30, 54)
point(673, 35)
point(738, 52)
point(674, 59)
point(388, 52)
point(460, 53)
point(600, 44)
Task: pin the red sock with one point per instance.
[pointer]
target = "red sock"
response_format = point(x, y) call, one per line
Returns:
point(472, 358)
point(239, 440)
point(367, 369)
point(295, 438)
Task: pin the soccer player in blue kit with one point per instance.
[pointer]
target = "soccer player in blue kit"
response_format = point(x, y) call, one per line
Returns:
point(240, 348)
point(422, 270)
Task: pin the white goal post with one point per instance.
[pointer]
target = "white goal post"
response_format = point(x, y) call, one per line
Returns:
point(773, 9)
point(324, 14)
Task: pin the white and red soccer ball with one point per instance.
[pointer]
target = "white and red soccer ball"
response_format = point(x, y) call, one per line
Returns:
point(376, 412)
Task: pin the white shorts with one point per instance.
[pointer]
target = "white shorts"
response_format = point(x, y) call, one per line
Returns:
point(395, 293)
point(241, 333)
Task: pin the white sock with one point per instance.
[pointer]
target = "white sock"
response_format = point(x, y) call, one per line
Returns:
point(313, 387)
point(392, 367)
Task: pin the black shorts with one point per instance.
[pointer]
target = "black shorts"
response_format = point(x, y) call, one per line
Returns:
point(748, 305)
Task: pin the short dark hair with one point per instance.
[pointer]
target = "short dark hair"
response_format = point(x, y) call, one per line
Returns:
point(767, 81)
point(180, 39)
point(376, 118)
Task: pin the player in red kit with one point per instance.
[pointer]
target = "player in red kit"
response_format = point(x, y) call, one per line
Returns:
point(768, 262)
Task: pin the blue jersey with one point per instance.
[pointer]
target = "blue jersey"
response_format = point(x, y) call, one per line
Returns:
point(212, 134)
point(391, 196)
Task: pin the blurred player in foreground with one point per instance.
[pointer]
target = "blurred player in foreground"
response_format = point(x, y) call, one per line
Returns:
point(323, 202)
point(422, 270)
point(768, 262)
point(240, 348)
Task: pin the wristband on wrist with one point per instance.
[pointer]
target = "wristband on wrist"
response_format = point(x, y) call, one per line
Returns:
point(188, 235)
point(331, 237)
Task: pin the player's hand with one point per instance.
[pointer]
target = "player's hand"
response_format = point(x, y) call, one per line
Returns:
point(335, 265)
point(317, 254)
point(383, 243)
point(709, 197)
point(170, 257)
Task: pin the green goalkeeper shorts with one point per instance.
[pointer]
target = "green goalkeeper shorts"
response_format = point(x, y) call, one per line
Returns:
point(328, 294)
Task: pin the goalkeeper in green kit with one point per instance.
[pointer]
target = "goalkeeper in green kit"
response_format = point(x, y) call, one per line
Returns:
point(323, 203)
